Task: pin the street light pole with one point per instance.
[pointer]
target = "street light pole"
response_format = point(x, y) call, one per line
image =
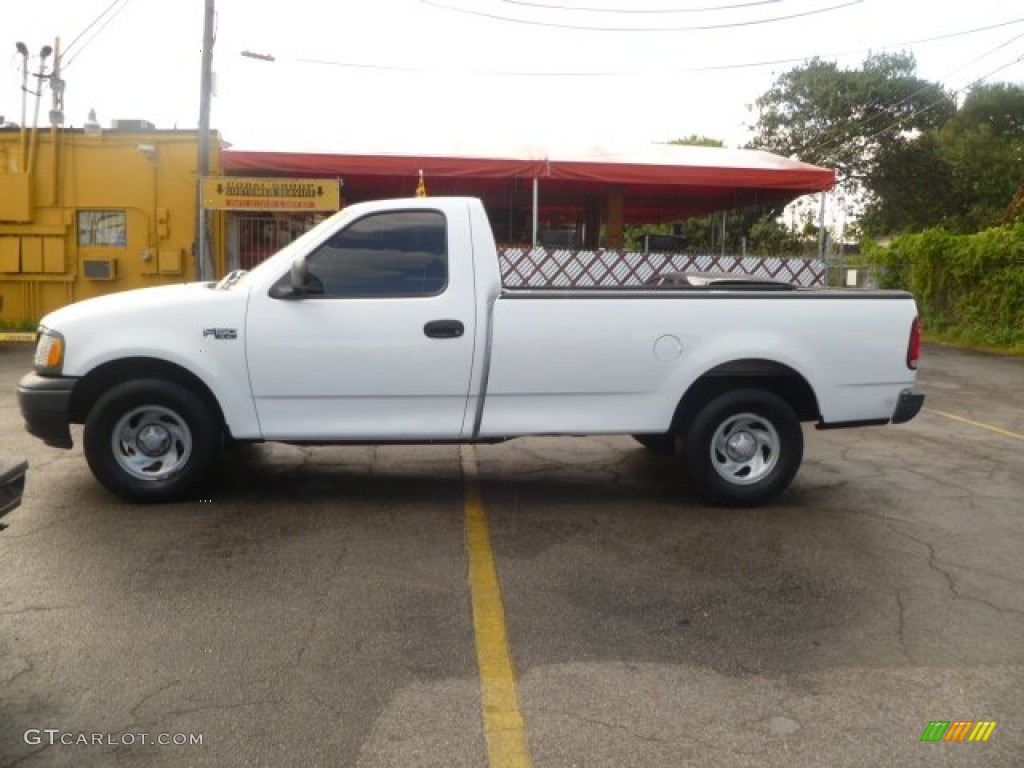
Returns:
point(204, 269)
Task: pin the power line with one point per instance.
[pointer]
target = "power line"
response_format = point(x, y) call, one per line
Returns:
point(957, 92)
point(593, 9)
point(693, 28)
point(636, 72)
point(860, 51)
point(91, 24)
point(105, 21)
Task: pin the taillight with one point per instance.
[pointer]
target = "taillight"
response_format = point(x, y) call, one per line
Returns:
point(914, 346)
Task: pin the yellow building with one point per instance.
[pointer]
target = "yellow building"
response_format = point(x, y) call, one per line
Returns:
point(85, 212)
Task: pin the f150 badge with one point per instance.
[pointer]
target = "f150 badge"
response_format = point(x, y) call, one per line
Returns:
point(221, 333)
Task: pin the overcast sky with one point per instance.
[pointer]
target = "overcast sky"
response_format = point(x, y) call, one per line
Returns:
point(403, 75)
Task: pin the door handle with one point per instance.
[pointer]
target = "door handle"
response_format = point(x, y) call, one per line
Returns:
point(444, 329)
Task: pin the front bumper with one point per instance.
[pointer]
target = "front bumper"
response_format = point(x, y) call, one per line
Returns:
point(45, 404)
point(907, 407)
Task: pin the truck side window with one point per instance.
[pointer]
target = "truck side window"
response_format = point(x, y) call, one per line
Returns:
point(391, 254)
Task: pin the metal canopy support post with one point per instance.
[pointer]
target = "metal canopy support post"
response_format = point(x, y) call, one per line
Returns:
point(821, 228)
point(536, 205)
point(725, 217)
point(821, 236)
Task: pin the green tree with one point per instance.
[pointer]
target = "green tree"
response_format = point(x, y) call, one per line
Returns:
point(912, 187)
point(769, 236)
point(862, 122)
point(693, 140)
point(984, 144)
point(1001, 105)
point(961, 176)
point(842, 118)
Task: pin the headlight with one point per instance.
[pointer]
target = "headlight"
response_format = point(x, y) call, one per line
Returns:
point(49, 352)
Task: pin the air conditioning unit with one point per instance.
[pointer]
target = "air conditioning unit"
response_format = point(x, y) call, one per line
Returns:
point(99, 269)
point(133, 126)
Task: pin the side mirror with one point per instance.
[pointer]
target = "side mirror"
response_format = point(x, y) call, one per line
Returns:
point(300, 282)
point(299, 274)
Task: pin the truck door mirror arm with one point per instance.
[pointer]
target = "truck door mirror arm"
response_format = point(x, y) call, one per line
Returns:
point(301, 282)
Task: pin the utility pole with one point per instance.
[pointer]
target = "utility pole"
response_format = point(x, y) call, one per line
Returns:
point(204, 267)
point(56, 118)
point(41, 77)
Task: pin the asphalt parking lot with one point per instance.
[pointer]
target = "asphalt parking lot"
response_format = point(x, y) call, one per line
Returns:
point(317, 609)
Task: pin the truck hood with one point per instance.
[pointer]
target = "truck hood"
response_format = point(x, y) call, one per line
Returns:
point(172, 323)
point(143, 304)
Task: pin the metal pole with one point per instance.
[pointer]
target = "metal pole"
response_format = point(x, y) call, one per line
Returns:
point(204, 270)
point(724, 215)
point(23, 137)
point(536, 202)
point(56, 119)
point(34, 140)
point(821, 228)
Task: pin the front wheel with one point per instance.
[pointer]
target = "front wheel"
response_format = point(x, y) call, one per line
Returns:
point(743, 447)
point(151, 440)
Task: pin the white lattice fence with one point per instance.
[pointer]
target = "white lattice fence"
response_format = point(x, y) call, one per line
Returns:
point(558, 268)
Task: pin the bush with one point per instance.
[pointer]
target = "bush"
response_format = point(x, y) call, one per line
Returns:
point(968, 287)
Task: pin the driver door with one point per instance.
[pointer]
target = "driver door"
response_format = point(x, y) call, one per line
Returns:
point(380, 347)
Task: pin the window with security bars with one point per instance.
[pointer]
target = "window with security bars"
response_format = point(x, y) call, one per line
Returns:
point(102, 229)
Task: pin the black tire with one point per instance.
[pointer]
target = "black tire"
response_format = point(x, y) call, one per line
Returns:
point(152, 441)
point(663, 445)
point(743, 447)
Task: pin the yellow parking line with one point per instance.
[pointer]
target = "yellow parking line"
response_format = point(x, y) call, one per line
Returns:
point(979, 424)
point(503, 722)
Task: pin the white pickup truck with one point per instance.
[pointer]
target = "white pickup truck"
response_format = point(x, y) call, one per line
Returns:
point(389, 323)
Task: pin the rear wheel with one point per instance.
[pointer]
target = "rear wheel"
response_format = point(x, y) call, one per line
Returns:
point(151, 440)
point(743, 447)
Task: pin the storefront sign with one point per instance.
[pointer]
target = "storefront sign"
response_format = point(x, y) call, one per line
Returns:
point(244, 194)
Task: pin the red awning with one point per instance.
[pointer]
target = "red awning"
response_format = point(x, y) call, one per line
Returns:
point(658, 182)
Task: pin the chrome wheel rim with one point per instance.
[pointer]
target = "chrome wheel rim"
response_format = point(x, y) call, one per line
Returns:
point(151, 443)
point(745, 449)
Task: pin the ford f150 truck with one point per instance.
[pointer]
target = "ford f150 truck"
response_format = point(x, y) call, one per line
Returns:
point(389, 323)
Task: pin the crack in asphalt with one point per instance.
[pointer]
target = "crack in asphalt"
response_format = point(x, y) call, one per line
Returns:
point(938, 565)
point(901, 625)
point(692, 744)
point(933, 562)
point(35, 609)
point(321, 598)
point(29, 667)
point(134, 710)
point(611, 726)
point(223, 707)
point(27, 756)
